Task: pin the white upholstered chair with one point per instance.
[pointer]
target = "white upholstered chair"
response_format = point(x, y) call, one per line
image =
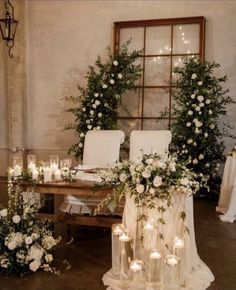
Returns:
point(101, 150)
point(149, 141)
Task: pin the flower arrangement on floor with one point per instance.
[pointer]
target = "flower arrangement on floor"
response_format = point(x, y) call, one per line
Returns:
point(197, 132)
point(26, 242)
point(147, 179)
point(100, 100)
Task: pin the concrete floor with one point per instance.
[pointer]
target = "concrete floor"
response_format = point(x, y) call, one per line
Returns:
point(90, 257)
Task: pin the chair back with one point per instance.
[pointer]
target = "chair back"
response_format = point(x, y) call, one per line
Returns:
point(102, 148)
point(149, 141)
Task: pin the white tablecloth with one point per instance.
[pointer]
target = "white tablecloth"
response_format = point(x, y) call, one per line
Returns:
point(227, 200)
point(195, 275)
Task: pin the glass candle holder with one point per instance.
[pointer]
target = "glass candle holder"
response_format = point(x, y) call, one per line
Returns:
point(47, 173)
point(57, 175)
point(17, 163)
point(117, 231)
point(154, 270)
point(35, 174)
point(31, 162)
point(126, 256)
point(138, 275)
point(178, 250)
point(171, 273)
point(66, 162)
point(54, 163)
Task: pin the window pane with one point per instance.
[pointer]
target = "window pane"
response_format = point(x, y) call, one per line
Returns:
point(158, 40)
point(156, 124)
point(186, 38)
point(157, 71)
point(136, 35)
point(156, 101)
point(132, 101)
point(128, 125)
point(139, 61)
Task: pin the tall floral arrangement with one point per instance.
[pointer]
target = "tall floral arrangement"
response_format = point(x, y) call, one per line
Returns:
point(201, 101)
point(99, 101)
point(26, 242)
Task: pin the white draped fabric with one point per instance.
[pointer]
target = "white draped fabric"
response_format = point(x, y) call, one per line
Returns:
point(194, 274)
point(227, 200)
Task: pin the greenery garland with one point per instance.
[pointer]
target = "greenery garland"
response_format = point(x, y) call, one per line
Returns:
point(197, 133)
point(100, 100)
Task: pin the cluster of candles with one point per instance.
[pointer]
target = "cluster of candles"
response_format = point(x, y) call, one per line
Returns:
point(48, 171)
point(153, 270)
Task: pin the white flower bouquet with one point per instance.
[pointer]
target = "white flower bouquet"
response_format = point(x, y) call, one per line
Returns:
point(26, 242)
point(147, 179)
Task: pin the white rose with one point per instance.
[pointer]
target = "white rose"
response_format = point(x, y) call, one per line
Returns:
point(49, 258)
point(205, 135)
point(201, 156)
point(184, 181)
point(149, 161)
point(195, 161)
point(34, 266)
point(193, 96)
point(190, 141)
point(157, 181)
point(89, 127)
point(11, 246)
point(151, 190)
point(98, 128)
point(3, 212)
point(104, 86)
point(28, 240)
point(82, 135)
point(188, 124)
point(99, 115)
point(36, 252)
point(81, 145)
point(16, 219)
point(194, 76)
point(200, 98)
point(115, 63)
point(199, 83)
point(91, 112)
point(197, 108)
point(96, 95)
point(5, 263)
point(190, 113)
point(123, 177)
point(83, 109)
point(212, 126)
point(112, 82)
point(207, 165)
point(140, 188)
point(201, 105)
point(94, 106)
point(146, 174)
point(97, 102)
point(120, 76)
point(210, 112)
point(208, 101)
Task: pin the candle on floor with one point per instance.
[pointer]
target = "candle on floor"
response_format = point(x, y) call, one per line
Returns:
point(57, 175)
point(47, 174)
point(137, 270)
point(154, 271)
point(35, 174)
point(171, 273)
point(126, 256)
point(178, 250)
point(117, 231)
point(149, 235)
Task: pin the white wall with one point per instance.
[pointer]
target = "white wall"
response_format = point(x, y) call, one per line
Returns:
point(64, 37)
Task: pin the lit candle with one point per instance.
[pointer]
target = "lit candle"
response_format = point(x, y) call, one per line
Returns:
point(35, 174)
point(54, 166)
point(117, 231)
point(57, 175)
point(137, 269)
point(47, 174)
point(11, 172)
point(154, 269)
point(179, 251)
point(149, 236)
point(126, 256)
point(171, 272)
point(17, 170)
point(31, 166)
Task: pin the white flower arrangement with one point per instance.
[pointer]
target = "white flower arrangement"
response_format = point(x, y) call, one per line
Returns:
point(147, 179)
point(26, 242)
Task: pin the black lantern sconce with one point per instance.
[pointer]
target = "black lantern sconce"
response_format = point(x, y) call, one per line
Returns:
point(8, 27)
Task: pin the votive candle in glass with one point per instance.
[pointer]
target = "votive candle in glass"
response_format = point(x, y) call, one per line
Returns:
point(17, 165)
point(138, 276)
point(126, 255)
point(54, 163)
point(178, 250)
point(154, 270)
point(31, 162)
point(57, 175)
point(47, 174)
point(117, 231)
point(35, 174)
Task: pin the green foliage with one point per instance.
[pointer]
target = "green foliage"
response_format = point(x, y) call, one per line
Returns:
point(98, 103)
point(201, 101)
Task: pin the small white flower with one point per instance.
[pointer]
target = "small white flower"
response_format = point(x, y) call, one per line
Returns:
point(190, 113)
point(120, 76)
point(91, 112)
point(5, 263)
point(149, 161)
point(200, 98)
point(157, 181)
point(99, 115)
point(115, 63)
point(96, 95)
point(49, 258)
point(98, 128)
point(140, 188)
point(146, 174)
point(188, 124)
point(197, 131)
point(152, 191)
point(81, 135)
point(194, 76)
point(212, 126)
point(184, 181)
point(28, 240)
point(84, 109)
point(190, 141)
point(208, 101)
point(201, 105)
point(3, 212)
point(199, 83)
point(106, 105)
point(104, 86)
point(194, 143)
point(207, 165)
point(94, 106)
point(87, 121)
point(195, 161)
point(97, 102)
point(12, 245)
point(197, 108)
point(112, 81)
point(123, 177)
point(16, 219)
point(210, 112)
point(205, 135)
point(172, 167)
point(89, 127)
point(34, 266)
point(81, 145)
point(193, 96)
point(201, 156)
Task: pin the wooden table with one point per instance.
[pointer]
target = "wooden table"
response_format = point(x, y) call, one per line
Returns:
point(83, 189)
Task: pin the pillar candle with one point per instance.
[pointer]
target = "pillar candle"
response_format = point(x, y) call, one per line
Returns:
point(171, 273)
point(31, 166)
point(178, 250)
point(149, 235)
point(35, 174)
point(57, 175)
point(17, 170)
point(138, 279)
point(126, 256)
point(47, 175)
point(154, 271)
point(117, 231)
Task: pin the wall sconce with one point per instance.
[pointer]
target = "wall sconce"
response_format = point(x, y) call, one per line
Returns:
point(8, 27)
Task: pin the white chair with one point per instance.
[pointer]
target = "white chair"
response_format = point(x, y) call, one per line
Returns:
point(149, 141)
point(101, 149)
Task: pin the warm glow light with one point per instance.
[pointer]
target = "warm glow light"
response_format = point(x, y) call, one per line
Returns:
point(183, 33)
point(180, 28)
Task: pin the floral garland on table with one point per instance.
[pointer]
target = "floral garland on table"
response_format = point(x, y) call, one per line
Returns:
point(147, 180)
point(100, 100)
point(26, 242)
point(197, 133)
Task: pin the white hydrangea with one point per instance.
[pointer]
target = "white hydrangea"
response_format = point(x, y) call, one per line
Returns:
point(157, 181)
point(200, 98)
point(194, 76)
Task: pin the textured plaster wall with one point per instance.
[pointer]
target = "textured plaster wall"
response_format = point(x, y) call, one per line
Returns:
point(63, 38)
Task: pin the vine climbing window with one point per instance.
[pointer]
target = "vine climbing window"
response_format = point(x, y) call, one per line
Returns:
point(165, 43)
